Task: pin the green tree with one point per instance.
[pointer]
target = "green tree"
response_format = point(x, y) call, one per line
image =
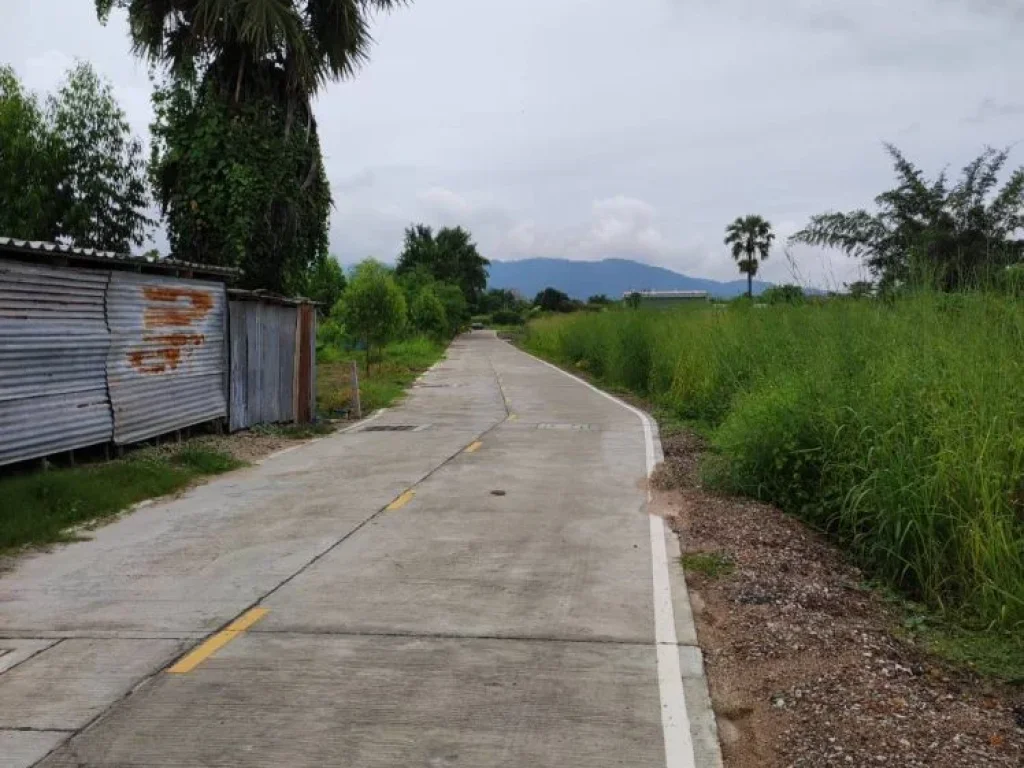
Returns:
point(497, 299)
point(553, 300)
point(599, 300)
point(33, 161)
point(450, 256)
point(427, 314)
point(860, 289)
point(324, 284)
point(456, 308)
point(634, 300)
point(783, 294)
point(373, 308)
point(751, 239)
point(235, 187)
point(236, 161)
point(927, 229)
point(105, 171)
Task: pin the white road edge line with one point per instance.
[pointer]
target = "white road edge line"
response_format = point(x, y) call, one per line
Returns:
point(675, 722)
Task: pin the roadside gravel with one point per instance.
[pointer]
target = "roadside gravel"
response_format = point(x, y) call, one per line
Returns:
point(806, 665)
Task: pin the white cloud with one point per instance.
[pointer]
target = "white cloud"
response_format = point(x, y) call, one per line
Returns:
point(445, 204)
point(585, 129)
point(623, 226)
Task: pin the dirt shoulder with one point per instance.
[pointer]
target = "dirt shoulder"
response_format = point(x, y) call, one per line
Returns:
point(806, 666)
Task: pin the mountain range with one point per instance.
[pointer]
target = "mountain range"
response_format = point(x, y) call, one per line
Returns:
point(612, 277)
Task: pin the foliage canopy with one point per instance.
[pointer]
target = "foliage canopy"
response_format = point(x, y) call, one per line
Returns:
point(950, 234)
point(450, 256)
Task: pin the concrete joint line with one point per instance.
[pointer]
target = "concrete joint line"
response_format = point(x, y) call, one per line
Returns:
point(456, 636)
point(30, 729)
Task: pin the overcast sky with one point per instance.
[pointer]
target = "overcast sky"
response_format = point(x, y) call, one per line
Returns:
point(587, 129)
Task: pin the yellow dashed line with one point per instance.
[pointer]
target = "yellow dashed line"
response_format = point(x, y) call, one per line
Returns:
point(401, 501)
point(205, 650)
point(474, 447)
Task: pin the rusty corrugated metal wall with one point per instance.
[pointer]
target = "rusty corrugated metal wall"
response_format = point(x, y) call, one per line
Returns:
point(167, 364)
point(53, 351)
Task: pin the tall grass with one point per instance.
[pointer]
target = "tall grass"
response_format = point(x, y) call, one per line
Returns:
point(398, 365)
point(895, 428)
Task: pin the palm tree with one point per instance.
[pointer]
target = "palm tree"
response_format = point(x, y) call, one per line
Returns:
point(303, 44)
point(751, 239)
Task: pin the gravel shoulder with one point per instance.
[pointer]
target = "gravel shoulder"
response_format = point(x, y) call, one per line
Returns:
point(807, 666)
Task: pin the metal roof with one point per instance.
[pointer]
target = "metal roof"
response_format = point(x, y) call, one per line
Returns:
point(41, 248)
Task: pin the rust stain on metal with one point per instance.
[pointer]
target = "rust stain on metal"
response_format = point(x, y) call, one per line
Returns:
point(166, 357)
point(168, 307)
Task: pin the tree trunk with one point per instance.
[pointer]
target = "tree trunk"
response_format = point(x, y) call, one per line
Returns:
point(750, 285)
point(238, 81)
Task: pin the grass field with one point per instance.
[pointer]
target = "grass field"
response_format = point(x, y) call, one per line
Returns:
point(897, 428)
point(398, 366)
point(39, 507)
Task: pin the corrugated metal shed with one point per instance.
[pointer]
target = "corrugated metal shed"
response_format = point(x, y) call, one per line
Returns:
point(167, 364)
point(53, 349)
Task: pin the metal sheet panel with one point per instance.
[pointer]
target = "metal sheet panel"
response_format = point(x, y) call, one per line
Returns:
point(53, 349)
point(262, 364)
point(167, 365)
point(270, 364)
point(238, 405)
point(306, 373)
point(287, 319)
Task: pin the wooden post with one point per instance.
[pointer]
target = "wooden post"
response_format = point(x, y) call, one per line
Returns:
point(357, 406)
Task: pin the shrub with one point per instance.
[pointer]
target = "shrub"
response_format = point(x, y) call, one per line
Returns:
point(507, 317)
point(427, 315)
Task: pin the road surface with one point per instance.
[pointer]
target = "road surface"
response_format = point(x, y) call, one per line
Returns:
point(480, 586)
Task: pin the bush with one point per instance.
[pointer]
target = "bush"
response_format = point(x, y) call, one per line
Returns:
point(507, 317)
point(782, 294)
point(896, 427)
point(373, 307)
point(427, 315)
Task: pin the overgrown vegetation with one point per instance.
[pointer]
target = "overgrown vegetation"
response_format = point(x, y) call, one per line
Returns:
point(895, 427)
point(397, 366)
point(39, 508)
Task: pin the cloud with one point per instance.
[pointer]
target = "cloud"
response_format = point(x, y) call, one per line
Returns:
point(990, 109)
point(623, 225)
point(586, 130)
point(444, 203)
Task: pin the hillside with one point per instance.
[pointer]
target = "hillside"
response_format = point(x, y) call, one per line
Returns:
point(612, 277)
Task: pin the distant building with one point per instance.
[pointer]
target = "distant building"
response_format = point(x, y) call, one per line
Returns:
point(667, 299)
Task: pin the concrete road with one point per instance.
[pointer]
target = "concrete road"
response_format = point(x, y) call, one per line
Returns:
point(469, 579)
